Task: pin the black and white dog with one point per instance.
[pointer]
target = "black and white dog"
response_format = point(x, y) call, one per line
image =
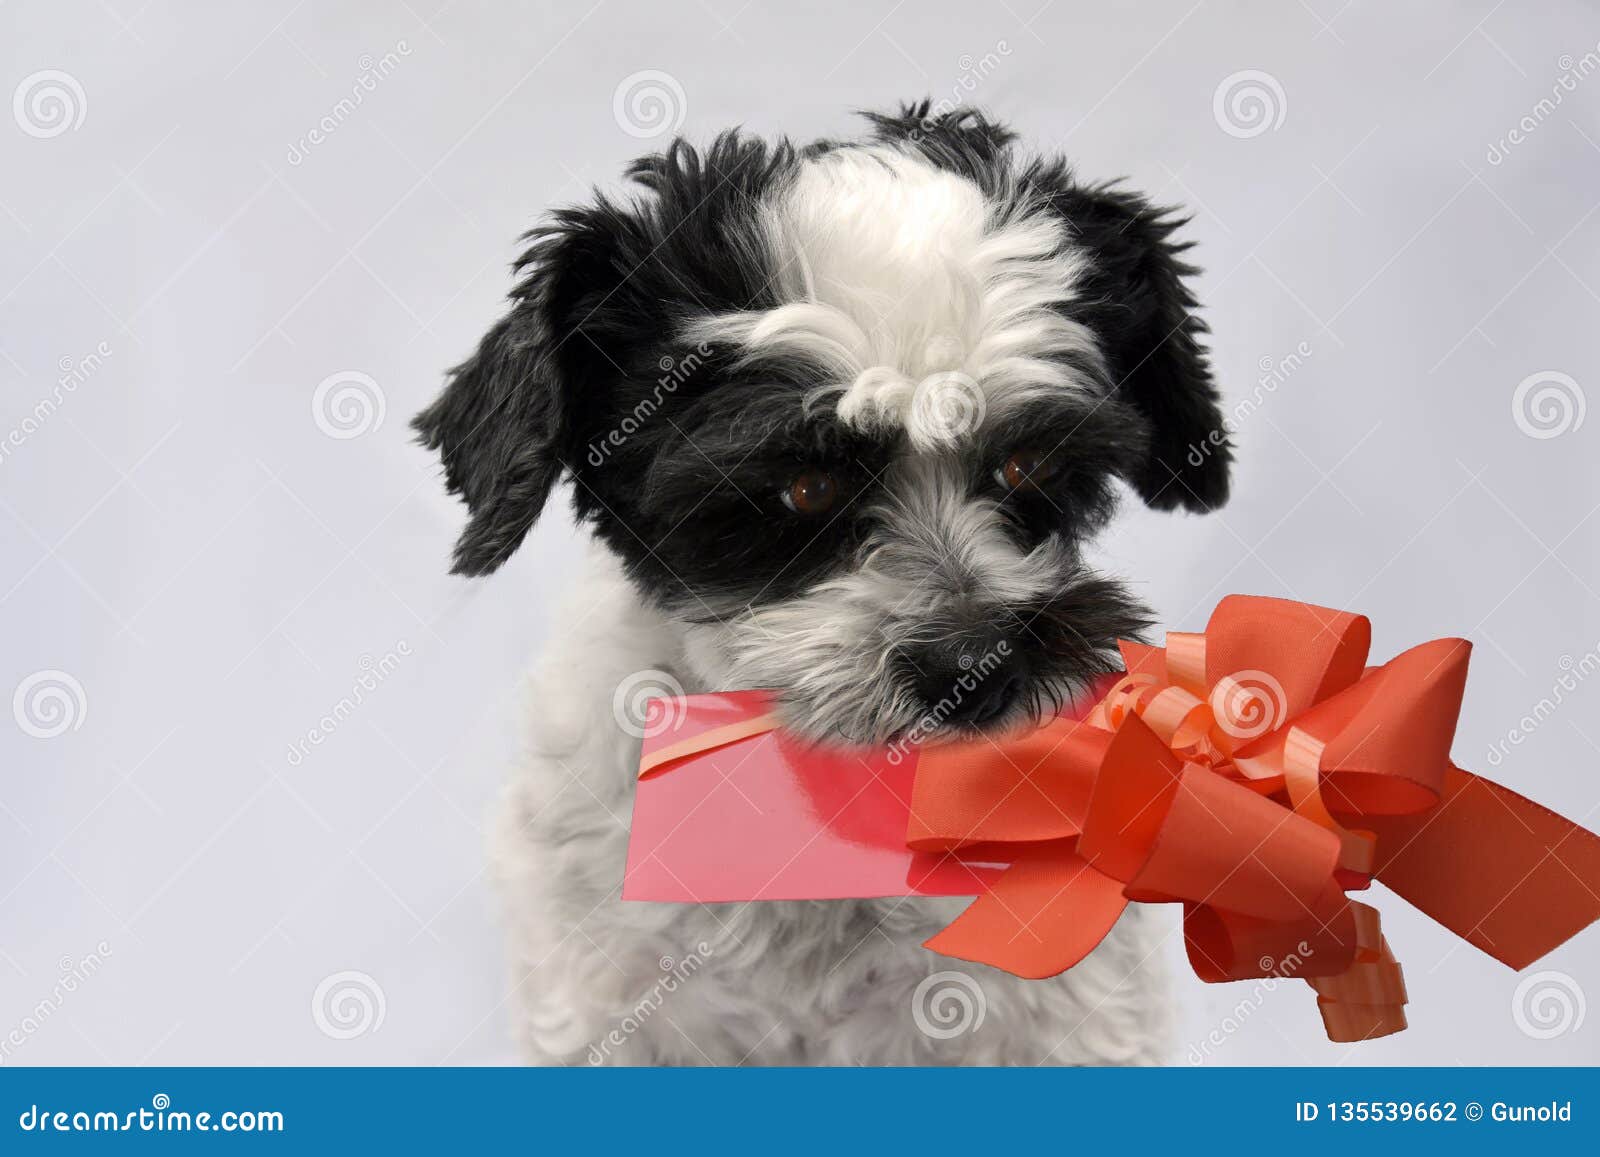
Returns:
point(840, 418)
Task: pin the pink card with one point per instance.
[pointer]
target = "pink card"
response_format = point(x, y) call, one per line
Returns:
point(765, 818)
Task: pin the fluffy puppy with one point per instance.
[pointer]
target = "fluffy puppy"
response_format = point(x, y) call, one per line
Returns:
point(840, 418)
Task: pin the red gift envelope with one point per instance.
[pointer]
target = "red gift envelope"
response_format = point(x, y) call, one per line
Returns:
point(764, 817)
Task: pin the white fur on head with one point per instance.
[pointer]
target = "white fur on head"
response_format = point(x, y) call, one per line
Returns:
point(926, 304)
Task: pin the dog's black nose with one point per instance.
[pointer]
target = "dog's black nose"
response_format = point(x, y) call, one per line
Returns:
point(972, 678)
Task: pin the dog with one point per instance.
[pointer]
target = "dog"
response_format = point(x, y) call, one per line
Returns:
point(840, 418)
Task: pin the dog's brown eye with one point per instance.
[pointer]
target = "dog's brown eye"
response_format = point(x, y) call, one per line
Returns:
point(812, 492)
point(1026, 469)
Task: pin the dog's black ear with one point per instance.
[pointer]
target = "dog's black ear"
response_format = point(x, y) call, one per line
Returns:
point(502, 425)
point(1137, 300)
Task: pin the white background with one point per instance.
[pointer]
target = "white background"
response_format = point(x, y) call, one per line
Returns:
point(213, 569)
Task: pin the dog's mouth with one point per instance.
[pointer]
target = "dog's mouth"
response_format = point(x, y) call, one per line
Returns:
point(845, 674)
point(1028, 703)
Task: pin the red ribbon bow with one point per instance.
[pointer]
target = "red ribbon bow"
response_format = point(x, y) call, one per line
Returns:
point(1255, 773)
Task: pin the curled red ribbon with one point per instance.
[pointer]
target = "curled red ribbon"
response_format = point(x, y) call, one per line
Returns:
point(1255, 773)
